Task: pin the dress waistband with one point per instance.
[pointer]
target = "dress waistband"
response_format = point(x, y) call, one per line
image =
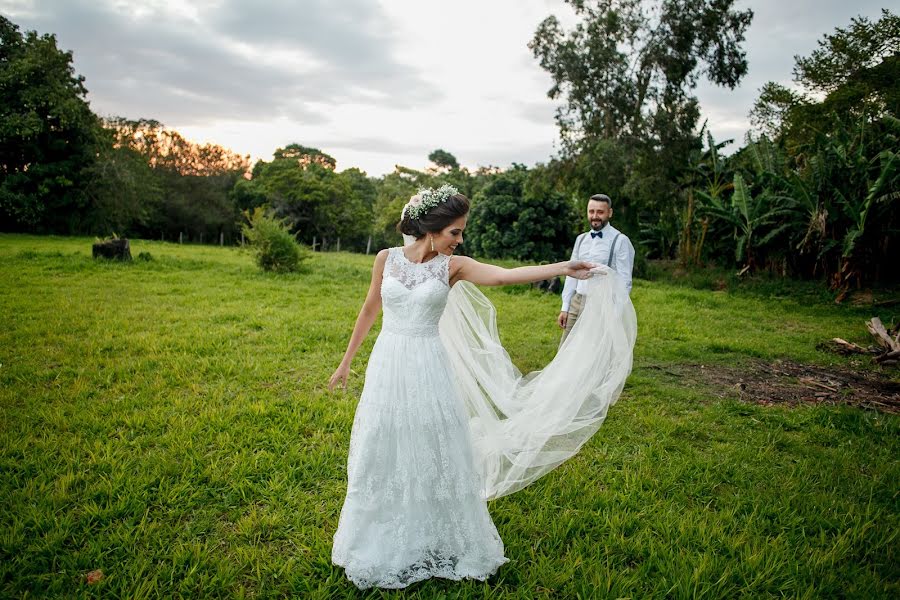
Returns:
point(410, 329)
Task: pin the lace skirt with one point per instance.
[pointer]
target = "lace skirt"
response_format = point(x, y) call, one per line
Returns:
point(415, 506)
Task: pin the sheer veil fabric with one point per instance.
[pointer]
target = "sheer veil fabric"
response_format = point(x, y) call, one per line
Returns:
point(524, 426)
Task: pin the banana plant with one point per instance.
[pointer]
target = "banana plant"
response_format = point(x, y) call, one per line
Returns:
point(755, 221)
point(708, 178)
point(884, 189)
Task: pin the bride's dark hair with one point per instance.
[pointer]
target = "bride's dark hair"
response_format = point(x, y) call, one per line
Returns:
point(435, 219)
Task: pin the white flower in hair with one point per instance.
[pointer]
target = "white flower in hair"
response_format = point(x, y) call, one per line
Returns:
point(427, 199)
point(413, 201)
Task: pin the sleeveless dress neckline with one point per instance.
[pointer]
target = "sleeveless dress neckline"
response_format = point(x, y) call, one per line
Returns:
point(424, 262)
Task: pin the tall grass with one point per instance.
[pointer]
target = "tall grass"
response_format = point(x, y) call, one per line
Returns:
point(167, 422)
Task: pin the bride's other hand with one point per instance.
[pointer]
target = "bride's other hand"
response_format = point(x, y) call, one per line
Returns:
point(579, 269)
point(340, 375)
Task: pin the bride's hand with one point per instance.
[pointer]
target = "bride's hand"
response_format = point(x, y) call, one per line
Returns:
point(340, 375)
point(579, 269)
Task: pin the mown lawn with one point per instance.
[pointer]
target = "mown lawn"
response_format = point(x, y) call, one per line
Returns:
point(167, 422)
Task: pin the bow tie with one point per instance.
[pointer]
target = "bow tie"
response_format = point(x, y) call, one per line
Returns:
point(595, 234)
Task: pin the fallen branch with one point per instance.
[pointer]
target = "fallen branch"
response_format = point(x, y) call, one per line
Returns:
point(809, 382)
point(876, 328)
point(891, 302)
point(842, 346)
point(889, 358)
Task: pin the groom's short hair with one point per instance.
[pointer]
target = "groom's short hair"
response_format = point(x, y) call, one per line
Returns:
point(602, 198)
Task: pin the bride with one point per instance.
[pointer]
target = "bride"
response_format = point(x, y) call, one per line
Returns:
point(445, 421)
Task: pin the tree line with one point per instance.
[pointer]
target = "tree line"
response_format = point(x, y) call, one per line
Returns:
point(65, 170)
point(812, 192)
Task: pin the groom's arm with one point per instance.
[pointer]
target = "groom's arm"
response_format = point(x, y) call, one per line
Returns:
point(625, 261)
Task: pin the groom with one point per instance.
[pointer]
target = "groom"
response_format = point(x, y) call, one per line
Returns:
point(602, 244)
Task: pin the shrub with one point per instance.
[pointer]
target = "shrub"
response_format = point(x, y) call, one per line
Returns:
point(271, 243)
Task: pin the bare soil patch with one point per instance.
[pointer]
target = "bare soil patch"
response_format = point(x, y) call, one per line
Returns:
point(792, 383)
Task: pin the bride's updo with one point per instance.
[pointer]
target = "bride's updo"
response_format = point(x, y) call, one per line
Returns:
point(436, 218)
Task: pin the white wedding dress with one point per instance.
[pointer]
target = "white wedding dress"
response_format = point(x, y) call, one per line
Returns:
point(446, 422)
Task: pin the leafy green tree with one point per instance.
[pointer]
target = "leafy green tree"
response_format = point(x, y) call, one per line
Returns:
point(393, 191)
point(517, 216)
point(773, 109)
point(628, 66)
point(364, 194)
point(247, 195)
point(855, 70)
point(857, 67)
point(166, 149)
point(48, 135)
point(305, 156)
point(362, 185)
point(196, 182)
point(626, 73)
point(125, 193)
point(444, 160)
point(300, 185)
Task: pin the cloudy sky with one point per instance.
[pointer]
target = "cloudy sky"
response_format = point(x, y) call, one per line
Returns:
point(373, 83)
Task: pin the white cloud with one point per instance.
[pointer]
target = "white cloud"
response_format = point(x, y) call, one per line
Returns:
point(373, 84)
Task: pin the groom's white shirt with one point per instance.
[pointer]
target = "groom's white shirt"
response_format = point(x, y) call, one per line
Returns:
point(596, 249)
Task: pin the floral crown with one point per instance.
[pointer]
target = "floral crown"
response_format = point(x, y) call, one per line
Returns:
point(427, 199)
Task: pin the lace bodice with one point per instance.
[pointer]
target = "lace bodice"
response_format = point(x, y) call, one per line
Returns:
point(413, 295)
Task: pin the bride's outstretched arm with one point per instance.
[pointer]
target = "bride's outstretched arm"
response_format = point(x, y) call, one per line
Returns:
point(468, 269)
point(367, 315)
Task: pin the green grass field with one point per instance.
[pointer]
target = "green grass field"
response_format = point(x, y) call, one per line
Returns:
point(167, 422)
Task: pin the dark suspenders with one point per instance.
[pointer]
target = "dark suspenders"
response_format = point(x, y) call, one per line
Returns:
point(611, 260)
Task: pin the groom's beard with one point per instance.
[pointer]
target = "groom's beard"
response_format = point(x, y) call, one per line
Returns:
point(598, 224)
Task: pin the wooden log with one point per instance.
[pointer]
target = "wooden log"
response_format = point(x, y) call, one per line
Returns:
point(876, 328)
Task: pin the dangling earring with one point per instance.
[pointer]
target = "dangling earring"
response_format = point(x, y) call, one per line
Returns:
point(432, 243)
